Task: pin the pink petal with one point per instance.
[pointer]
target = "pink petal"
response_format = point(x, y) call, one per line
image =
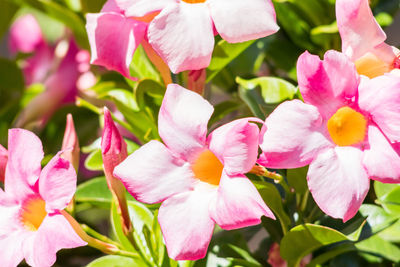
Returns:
point(236, 145)
point(111, 6)
point(37, 67)
point(338, 181)
point(10, 217)
point(380, 97)
point(381, 160)
point(11, 252)
point(25, 35)
point(239, 21)
point(25, 153)
point(238, 204)
point(55, 233)
point(113, 40)
point(3, 162)
point(182, 34)
point(151, 174)
point(295, 135)
point(70, 143)
point(186, 224)
point(57, 184)
point(182, 120)
point(329, 83)
point(140, 8)
point(358, 28)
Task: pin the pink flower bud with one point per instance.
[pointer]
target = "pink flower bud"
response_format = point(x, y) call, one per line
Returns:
point(70, 144)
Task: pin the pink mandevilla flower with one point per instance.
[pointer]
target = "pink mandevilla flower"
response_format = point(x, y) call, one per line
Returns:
point(31, 225)
point(363, 40)
point(180, 31)
point(199, 179)
point(344, 129)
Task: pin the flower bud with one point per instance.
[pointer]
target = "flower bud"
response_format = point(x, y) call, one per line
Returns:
point(70, 144)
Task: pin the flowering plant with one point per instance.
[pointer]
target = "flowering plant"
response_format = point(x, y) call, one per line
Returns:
point(199, 133)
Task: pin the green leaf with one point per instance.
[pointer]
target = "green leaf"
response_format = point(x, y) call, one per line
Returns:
point(377, 246)
point(223, 54)
point(273, 199)
point(306, 238)
point(92, 6)
point(7, 12)
point(297, 178)
point(377, 218)
point(142, 68)
point(94, 161)
point(382, 189)
point(95, 191)
point(116, 261)
point(273, 90)
point(391, 201)
point(11, 85)
point(392, 233)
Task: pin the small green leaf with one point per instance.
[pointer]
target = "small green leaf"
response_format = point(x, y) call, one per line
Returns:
point(223, 54)
point(382, 189)
point(94, 161)
point(377, 218)
point(379, 247)
point(306, 238)
point(116, 261)
point(391, 201)
point(273, 90)
point(273, 199)
point(297, 178)
point(95, 191)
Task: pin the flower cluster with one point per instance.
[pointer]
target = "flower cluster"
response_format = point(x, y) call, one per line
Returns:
point(345, 126)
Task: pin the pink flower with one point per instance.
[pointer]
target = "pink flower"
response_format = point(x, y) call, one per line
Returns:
point(199, 179)
point(114, 38)
point(31, 225)
point(344, 129)
point(63, 69)
point(71, 143)
point(180, 31)
point(3, 162)
point(363, 40)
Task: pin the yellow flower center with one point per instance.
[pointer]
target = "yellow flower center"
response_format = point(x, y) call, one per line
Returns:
point(33, 213)
point(372, 66)
point(207, 168)
point(194, 1)
point(347, 127)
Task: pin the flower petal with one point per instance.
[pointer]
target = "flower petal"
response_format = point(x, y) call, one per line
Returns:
point(182, 34)
point(25, 35)
point(57, 183)
point(238, 204)
point(295, 135)
point(328, 83)
point(358, 28)
point(151, 174)
point(55, 233)
point(338, 181)
point(182, 120)
point(239, 21)
point(11, 252)
point(25, 153)
point(380, 97)
point(186, 224)
point(381, 153)
point(140, 8)
point(236, 145)
point(3, 162)
point(113, 40)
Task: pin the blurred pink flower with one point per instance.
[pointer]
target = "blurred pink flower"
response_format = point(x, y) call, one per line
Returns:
point(31, 224)
point(63, 68)
point(200, 179)
point(3, 162)
point(363, 40)
point(344, 129)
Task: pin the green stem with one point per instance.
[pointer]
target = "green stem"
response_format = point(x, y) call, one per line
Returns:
point(99, 236)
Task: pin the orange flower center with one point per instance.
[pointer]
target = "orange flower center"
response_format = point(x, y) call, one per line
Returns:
point(194, 1)
point(347, 127)
point(33, 213)
point(207, 168)
point(372, 66)
point(147, 18)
